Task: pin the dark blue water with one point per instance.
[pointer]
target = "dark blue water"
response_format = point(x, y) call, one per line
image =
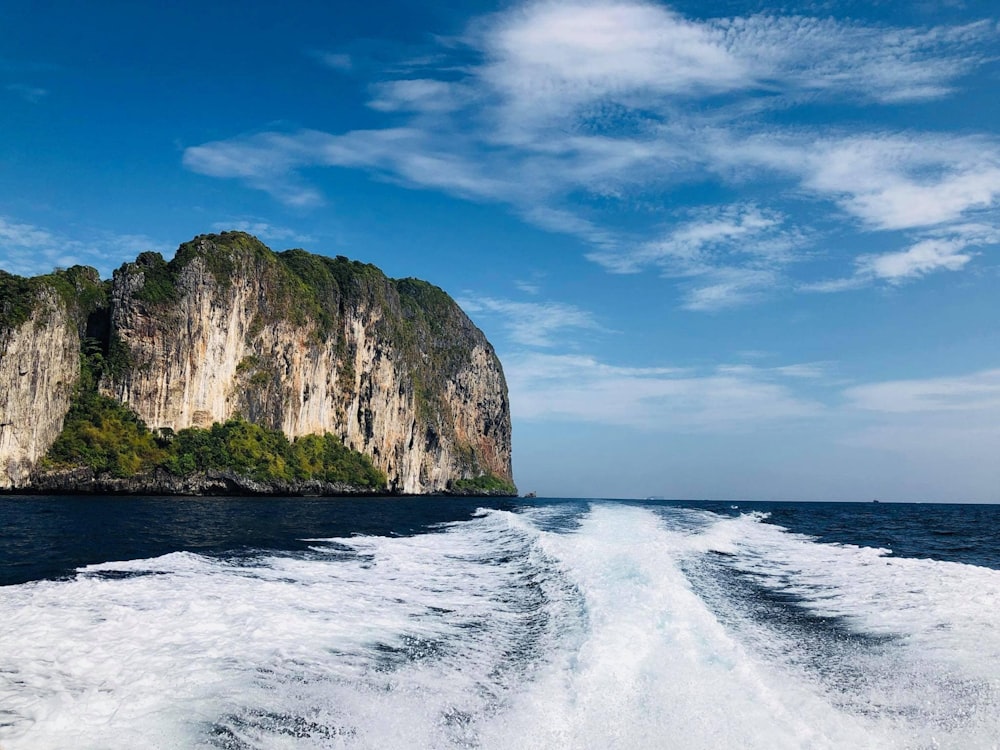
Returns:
point(50, 537)
point(965, 533)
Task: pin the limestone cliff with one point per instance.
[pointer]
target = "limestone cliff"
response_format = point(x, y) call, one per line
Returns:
point(41, 321)
point(292, 341)
point(39, 365)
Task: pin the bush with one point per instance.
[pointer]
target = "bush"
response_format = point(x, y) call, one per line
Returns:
point(485, 484)
point(267, 455)
point(105, 436)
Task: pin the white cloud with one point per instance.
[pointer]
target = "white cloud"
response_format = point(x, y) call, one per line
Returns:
point(418, 95)
point(978, 392)
point(340, 61)
point(905, 182)
point(29, 250)
point(548, 58)
point(620, 102)
point(945, 430)
point(888, 181)
point(947, 248)
point(922, 258)
point(581, 388)
point(533, 323)
point(23, 235)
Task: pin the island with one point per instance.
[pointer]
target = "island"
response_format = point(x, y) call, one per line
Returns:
point(233, 369)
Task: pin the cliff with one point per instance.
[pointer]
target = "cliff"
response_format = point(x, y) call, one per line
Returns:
point(294, 342)
point(41, 324)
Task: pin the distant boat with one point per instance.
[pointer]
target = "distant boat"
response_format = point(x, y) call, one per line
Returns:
point(531, 494)
point(874, 501)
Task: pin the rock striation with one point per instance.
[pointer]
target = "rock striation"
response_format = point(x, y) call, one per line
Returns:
point(302, 343)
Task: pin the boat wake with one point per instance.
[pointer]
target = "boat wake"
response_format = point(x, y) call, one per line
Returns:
point(598, 625)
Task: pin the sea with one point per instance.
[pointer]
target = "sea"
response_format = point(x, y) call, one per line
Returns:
point(507, 624)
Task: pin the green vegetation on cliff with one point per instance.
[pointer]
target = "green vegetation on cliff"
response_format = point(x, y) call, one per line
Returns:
point(17, 298)
point(267, 455)
point(107, 437)
point(79, 287)
point(487, 484)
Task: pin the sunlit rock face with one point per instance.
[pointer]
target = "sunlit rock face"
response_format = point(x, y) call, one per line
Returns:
point(307, 344)
point(39, 367)
point(293, 341)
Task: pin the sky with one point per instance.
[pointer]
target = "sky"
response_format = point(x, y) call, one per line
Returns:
point(731, 250)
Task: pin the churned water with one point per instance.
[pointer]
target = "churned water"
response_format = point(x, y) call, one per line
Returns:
point(441, 623)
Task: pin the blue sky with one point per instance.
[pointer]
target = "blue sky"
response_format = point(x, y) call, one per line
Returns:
point(728, 250)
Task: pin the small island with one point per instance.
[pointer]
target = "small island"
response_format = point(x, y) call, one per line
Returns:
point(232, 369)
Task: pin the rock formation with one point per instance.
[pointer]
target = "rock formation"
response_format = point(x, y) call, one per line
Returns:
point(39, 367)
point(292, 341)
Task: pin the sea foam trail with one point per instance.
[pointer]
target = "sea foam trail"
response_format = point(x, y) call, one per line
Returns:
point(656, 667)
point(367, 642)
point(562, 627)
point(912, 644)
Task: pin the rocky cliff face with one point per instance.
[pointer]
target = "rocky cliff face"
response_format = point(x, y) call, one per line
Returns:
point(39, 369)
point(292, 341)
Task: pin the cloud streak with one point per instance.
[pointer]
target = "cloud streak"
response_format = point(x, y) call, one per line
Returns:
point(582, 388)
point(577, 114)
point(533, 324)
point(29, 250)
point(977, 392)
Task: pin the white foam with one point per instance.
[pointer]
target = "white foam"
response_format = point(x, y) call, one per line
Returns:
point(616, 632)
point(657, 669)
point(917, 640)
point(374, 647)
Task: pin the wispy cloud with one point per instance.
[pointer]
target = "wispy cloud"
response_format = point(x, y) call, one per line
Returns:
point(535, 324)
point(263, 230)
point(29, 250)
point(582, 388)
point(977, 392)
point(340, 61)
point(947, 248)
point(31, 94)
point(850, 59)
point(24, 235)
point(622, 102)
point(933, 423)
point(267, 161)
point(528, 287)
point(728, 255)
point(419, 95)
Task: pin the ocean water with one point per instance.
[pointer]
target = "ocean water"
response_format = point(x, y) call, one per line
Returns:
point(451, 623)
